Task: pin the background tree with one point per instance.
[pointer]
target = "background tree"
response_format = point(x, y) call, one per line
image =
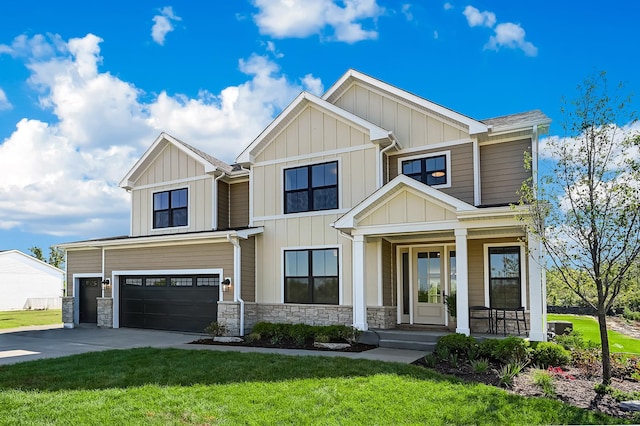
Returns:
point(586, 210)
point(56, 256)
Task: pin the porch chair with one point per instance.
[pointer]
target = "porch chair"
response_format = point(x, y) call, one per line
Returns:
point(482, 313)
point(501, 315)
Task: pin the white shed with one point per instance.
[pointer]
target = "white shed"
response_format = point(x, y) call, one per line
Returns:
point(28, 283)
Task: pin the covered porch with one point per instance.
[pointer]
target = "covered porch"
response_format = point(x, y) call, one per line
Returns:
point(414, 247)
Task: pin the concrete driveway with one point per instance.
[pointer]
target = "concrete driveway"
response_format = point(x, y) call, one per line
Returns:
point(26, 344)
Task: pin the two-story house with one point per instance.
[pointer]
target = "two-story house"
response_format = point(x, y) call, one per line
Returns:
point(365, 207)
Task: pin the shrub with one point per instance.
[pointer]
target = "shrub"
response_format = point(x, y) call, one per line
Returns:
point(488, 348)
point(545, 354)
point(630, 315)
point(624, 366)
point(216, 329)
point(430, 360)
point(454, 360)
point(587, 360)
point(322, 338)
point(302, 333)
point(509, 371)
point(574, 340)
point(544, 380)
point(253, 337)
point(512, 350)
point(457, 344)
point(442, 353)
point(480, 365)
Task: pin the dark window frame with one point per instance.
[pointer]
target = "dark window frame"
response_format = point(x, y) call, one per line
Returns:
point(167, 280)
point(425, 175)
point(310, 189)
point(170, 210)
point(311, 278)
point(504, 280)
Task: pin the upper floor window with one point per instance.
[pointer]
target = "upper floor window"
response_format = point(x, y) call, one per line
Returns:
point(431, 170)
point(170, 208)
point(311, 188)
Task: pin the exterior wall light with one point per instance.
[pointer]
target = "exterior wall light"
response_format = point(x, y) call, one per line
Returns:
point(226, 284)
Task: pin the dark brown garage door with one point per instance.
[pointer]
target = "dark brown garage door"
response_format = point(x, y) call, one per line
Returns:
point(180, 303)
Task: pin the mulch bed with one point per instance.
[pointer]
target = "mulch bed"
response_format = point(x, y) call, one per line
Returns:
point(358, 347)
point(574, 387)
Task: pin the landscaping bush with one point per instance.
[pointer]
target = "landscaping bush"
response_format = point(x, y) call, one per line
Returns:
point(488, 348)
point(302, 333)
point(630, 315)
point(512, 349)
point(587, 360)
point(544, 380)
point(546, 354)
point(509, 371)
point(457, 344)
point(574, 340)
point(625, 366)
point(216, 329)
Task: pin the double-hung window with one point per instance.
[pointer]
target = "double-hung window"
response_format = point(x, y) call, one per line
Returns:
point(311, 188)
point(428, 170)
point(505, 277)
point(311, 276)
point(170, 208)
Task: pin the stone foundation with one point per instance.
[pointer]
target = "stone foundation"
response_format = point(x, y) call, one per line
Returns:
point(229, 315)
point(67, 312)
point(105, 312)
point(382, 316)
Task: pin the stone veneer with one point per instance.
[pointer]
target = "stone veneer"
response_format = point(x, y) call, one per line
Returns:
point(228, 315)
point(105, 312)
point(67, 312)
point(481, 326)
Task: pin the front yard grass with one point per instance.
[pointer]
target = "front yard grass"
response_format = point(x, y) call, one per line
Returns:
point(588, 328)
point(12, 319)
point(173, 386)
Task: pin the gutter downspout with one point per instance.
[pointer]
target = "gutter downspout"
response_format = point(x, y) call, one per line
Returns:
point(236, 278)
point(394, 144)
point(214, 219)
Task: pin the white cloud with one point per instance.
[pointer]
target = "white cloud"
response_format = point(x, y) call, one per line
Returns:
point(448, 6)
point(506, 34)
point(4, 102)
point(312, 84)
point(475, 18)
point(163, 24)
point(271, 48)
point(301, 18)
point(511, 36)
point(435, 34)
point(60, 178)
point(406, 11)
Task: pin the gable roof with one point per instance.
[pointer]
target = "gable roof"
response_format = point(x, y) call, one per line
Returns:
point(352, 76)
point(517, 121)
point(211, 164)
point(376, 133)
point(37, 262)
point(398, 184)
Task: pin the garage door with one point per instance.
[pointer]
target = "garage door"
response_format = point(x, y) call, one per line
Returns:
point(181, 303)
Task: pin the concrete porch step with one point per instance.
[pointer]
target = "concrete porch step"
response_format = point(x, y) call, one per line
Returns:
point(408, 344)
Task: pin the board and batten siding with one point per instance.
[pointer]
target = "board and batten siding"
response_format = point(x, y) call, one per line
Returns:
point(199, 208)
point(502, 171)
point(296, 232)
point(412, 125)
point(461, 169)
point(223, 205)
point(186, 256)
point(248, 269)
point(82, 262)
point(239, 205)
point(171, 164)
point(388, 297)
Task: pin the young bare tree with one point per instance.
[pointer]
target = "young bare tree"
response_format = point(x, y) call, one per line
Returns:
point(586, 209)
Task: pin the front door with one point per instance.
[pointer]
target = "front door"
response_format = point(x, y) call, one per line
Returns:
point(90, 290)
point(428, 286)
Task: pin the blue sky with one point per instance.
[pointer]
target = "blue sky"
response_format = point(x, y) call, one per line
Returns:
point(85, 87)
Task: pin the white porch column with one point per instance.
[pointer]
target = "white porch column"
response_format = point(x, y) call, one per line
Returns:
point(462, 291)
point(359, 287)
point(537, 302)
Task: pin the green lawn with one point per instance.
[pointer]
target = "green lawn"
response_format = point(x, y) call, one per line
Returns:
point(172, 386)
point(11, 319)
point(588, 327)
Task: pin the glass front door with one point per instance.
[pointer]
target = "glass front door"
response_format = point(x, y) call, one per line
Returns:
point(428, 284)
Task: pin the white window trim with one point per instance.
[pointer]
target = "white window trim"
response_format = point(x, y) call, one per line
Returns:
point(523, 271)
point(317, 247)
point(115, 283)
point(188, 188)
point(76, 292)
point(309, 164)
point(447, 155)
